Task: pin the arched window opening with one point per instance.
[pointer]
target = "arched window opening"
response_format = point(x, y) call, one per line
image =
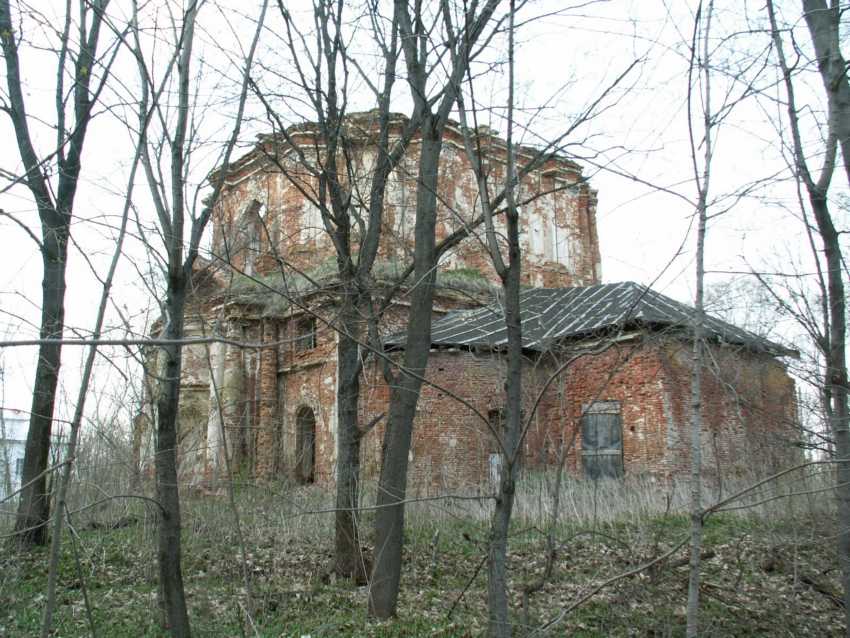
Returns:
point(305, 446)
point(253, 224)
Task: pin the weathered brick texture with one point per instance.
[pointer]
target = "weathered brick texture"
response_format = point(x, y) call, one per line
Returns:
point(263, 214)
point(649, 378)
point(254, 396)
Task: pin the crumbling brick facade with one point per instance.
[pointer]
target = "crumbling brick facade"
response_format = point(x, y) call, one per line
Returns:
point(646, 377)
point(274, 402)
point(266, 209)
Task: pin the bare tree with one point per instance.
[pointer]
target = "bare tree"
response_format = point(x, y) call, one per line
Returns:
point(699, 86)
point(424, 64)
point(505, 254)
point(169, 198)
point(79, 406)
point(52, 179)
point(823, 25)
point(503, 247)
point(333, 166)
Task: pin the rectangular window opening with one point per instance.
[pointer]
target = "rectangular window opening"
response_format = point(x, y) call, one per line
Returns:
point(305, 331)
point(602, 440)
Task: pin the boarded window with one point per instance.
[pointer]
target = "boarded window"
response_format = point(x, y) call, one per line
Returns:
point(602, 440)
point(305, 334)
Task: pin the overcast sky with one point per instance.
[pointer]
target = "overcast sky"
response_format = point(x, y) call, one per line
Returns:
point(565, 62)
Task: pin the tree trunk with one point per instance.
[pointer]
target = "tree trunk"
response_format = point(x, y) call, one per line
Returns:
point(76, 421)
point(34, 505)
point(497, 582)
point(165, 463)
point(347, 559)
point(404, 396)
point(392, 485)
point(824, 25)
point(55, 213)
point(702, 179)
point(497, 586)
point(836, 381)
point(696, 447)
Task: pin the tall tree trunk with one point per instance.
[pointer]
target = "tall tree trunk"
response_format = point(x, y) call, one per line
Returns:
point(335, 173)
point(497, 586)
point(76, 421)
point(836, 381)
point(178, 274)
point(700, 57)
point(696, 439)
point(497, 582)
point(347, 559)
point(824, 28)
point(165, 465)
point(34, 505)
point(55, 215)
point(824, 24)
point(404, 395)
point(392, 485)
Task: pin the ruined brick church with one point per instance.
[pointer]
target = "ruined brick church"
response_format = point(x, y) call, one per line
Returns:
point(607, 366)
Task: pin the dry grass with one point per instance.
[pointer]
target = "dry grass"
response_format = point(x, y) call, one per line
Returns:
point(759, 581)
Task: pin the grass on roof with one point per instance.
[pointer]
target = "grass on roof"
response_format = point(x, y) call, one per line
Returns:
point(273, 293)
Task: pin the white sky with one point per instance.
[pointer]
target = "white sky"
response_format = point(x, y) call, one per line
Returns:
point(564, 62)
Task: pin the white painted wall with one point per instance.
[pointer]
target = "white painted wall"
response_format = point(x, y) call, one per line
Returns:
point(13, 437)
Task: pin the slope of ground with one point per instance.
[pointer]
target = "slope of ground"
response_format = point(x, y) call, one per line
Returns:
point(768, 571)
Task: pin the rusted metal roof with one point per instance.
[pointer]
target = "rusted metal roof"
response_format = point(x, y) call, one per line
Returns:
point(555, 315)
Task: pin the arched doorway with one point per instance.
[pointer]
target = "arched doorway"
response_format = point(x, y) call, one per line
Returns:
point(305, 445)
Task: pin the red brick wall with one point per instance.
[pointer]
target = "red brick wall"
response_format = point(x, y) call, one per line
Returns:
point(749, 410)
point(650, 380)
point(306, 379)
point(748, 402)
point(747, 398)
point(293, 228)
point(263, 390)
point(451, 443)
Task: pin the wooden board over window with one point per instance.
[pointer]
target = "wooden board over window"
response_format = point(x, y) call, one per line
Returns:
point(602, 440)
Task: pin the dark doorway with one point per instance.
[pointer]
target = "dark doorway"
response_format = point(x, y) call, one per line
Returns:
point(305, 445)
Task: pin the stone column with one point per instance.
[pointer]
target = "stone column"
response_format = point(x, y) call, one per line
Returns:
point(231, 396)
point(215, 457)
point(267, 384)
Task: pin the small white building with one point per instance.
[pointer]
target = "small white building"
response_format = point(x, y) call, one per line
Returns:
point(13, 439)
